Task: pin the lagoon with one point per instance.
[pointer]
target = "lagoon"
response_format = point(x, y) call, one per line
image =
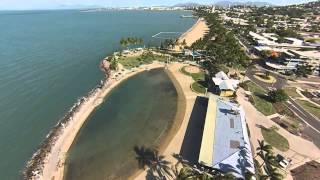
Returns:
point(48, 59)
point(138, 112)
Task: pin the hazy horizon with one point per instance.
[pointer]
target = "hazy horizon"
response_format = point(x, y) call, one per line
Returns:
point(76, 4)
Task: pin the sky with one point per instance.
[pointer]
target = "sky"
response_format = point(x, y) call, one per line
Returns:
point(56, 4)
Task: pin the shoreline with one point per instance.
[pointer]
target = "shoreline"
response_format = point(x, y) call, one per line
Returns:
point(196, 32)
point(48, 161)
point(175, 124)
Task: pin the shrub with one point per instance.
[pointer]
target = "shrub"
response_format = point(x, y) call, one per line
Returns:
point(278, 95)
point(251, 100)
point(244, 85)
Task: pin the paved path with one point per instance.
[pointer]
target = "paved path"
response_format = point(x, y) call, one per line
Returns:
point(305, 116)
point(300, 151)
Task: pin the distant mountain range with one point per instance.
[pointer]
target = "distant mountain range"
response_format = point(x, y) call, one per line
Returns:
point(227, 3)
point(248, 3)
point(189, 4)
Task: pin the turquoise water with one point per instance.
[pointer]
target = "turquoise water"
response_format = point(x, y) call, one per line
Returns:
point(50, 58)
point(136, 113)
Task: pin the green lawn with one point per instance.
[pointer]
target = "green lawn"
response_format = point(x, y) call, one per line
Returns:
point(260, 101)
point(135, 61)
point(195, 76)
point(276, 140)
point(291, 91)
point(311, 108)
point(197, 87)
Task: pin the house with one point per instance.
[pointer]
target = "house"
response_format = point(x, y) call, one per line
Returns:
point(223, 85)
point(225, 142)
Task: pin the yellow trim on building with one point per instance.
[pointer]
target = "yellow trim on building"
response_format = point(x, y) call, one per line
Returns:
point(206, 150)
point(226, 93)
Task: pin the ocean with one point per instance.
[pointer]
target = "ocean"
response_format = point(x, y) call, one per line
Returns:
point(48, 59)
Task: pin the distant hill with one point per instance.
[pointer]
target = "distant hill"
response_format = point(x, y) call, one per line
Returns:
point(237, 3)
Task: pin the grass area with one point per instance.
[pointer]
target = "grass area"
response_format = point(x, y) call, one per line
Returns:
point(260, 99)
point(275, 139)
point(291, 91)
point(313, 40)
point(311, 108)
point(135, 61)
point(198, 87)
point(195, 76)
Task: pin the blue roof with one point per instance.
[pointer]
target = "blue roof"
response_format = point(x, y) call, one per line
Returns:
point(224, 134)
point(231, 148)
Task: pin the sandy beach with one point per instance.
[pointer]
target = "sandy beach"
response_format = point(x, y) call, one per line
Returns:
point(53, 164)
point(53, 167)
point(196, 32)
point(174, 140)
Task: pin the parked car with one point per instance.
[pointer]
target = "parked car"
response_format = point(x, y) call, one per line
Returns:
point(283, 162)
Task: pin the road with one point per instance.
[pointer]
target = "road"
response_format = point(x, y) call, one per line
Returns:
point(310, 120)
point(280, 83)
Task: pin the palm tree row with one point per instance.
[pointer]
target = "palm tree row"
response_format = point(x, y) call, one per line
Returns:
point(159, 168)
point(220, 44)
point(125, 42)
point(270, 164)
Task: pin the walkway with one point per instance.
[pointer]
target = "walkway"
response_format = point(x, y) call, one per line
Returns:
point(300, 150)
point(305, 116)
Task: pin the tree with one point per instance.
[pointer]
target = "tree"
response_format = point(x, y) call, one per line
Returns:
point(156, 163)
point(278, 95)
point(270, 164)
point(160, 165)
point(113, 62)
point(184, 43)
point(272, 173)
point(125, 42)
point(263, 148)
point(303, 70)
point(267, 74)
point(186, 172)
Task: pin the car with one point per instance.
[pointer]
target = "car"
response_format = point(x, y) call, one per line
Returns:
point(283, 162)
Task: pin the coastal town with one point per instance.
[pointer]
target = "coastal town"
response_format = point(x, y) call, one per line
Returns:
point(248, 86)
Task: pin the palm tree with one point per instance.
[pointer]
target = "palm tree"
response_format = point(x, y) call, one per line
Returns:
point(156, 163)
point(263, 148)
point(272, 173)
point(140, 41)
point(144, 156)
point(184, 43)
point(124, 42)
point(186, 172)
point(159, 165)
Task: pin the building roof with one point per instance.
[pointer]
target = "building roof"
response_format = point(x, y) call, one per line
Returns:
point(289, 66)
point(308, 54)
point(295, 41)
point(229, 84)
point(224, 82)
point(222, 75)
point(225, 143)
point(269, 40)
